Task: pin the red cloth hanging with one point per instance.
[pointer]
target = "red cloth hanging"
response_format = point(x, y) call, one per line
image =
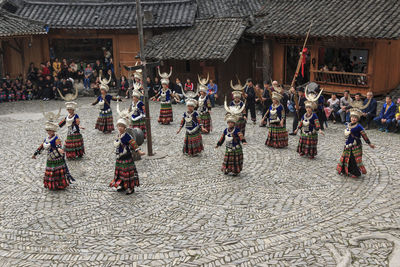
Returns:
point(303, 60)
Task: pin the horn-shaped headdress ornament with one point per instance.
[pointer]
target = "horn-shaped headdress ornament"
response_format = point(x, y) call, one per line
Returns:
point(204, 81)
point(104, 83)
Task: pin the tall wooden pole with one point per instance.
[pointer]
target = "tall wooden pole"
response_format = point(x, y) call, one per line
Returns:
point(139, 19)
point(296, 100)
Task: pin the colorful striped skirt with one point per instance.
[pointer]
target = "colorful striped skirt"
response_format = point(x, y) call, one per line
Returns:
point(56, 174)
point(165, 114)
point(277, 136)
point(241, 124)
point(351, 161)
point(233, 161)
point(125, 174)
point(105, 122)
point(141, 124)
point(74, 147)
point(193, 143)
point(205, 120)
point(308, 145)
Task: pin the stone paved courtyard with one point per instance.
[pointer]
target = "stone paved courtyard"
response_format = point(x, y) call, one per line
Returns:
point(282, 210)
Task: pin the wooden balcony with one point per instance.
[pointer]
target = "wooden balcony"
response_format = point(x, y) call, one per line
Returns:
point(346, 79)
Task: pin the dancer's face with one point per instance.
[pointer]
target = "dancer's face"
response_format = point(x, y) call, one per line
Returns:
point(70, 111)
point(190, 108)
point(309, 110)
point(50, 133)
point(354, 119)
point(231, 124)
point(121, 128)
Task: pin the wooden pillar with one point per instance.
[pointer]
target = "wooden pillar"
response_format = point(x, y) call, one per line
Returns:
point(314, 58)
point(267, 59)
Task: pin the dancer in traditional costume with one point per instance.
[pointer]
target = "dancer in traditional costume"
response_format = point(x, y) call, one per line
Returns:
point(165, 94)
point(233, 159)
point(193, 143)
point(138, 117)
point(237, 94)
point(204, 106)
point(105, 122)
point(309, 126)
point(126, 177)
point(277, 134)
point(351, 160)
point(74, 147)
point(57, 175)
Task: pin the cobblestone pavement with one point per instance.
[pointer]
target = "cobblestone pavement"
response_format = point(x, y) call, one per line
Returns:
point(282, 210)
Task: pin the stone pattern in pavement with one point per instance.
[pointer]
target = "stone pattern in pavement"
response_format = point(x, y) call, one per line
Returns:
point(283, 210)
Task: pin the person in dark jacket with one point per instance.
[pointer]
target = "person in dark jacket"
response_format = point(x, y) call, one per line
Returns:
point(369, 113)
point(300, 110)
point(250, 96)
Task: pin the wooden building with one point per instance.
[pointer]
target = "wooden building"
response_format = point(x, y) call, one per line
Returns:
point(213, 46)
point(16, 34)
point(79, 30)
point(354, 44)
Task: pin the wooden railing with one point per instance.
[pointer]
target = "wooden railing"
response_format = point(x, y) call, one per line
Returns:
point(341, 78)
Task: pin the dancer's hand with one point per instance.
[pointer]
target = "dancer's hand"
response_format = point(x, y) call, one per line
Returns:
point(61, 151)
point(34, 157)
point(244, 143)
point(372, 146)
point(179, 131)
point(321, 132)
point(141, 153)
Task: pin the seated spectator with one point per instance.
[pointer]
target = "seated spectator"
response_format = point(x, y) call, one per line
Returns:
point(113, 81)
point(358, 100)
point(29, 91)
point(40, 87)
point(345, 102)
point(11, 94)
point(32, 72)
point(188, 85)
point(44, 70)
point(397, 117)
point(369, 113)
point(387, 115)
point(178, 91)
point(332, 108)
point(48, 92)
point(3, 92)
point(87, 76)
point(56, 67)
point(212, 92)
point(123, 86)
point(66, 86)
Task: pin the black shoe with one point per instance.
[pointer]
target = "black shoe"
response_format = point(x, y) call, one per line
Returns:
point(130, 191)
point(292, 134)
point(120, 189)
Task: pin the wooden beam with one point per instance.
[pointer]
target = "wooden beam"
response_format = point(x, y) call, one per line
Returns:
point(267, 59)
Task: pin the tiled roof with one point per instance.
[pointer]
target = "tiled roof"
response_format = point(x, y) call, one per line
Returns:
point(118, 14)
point(208, 39)
point(228, 8)
point(13, 26)
point(331, 18)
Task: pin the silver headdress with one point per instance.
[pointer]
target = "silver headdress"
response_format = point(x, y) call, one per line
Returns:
point(233, 113)
point(312, 96)
point(164, 76)
point(357, 107)
point(125, 114)
point(237, 89)
point(69, 98)
point(51, 120)
point(204, 81)
point(190, 95)
point(104, 83)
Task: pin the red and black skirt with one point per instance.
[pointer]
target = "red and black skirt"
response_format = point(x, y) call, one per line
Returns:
point(205, 120)
point(56, 174)
point(193, 143)
point(74, 147)
point(126, 174)
point(105, 121)
point(351, 161)
point(277, 136)
point(233, 160)
point(166, 116)
point(308, 144)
